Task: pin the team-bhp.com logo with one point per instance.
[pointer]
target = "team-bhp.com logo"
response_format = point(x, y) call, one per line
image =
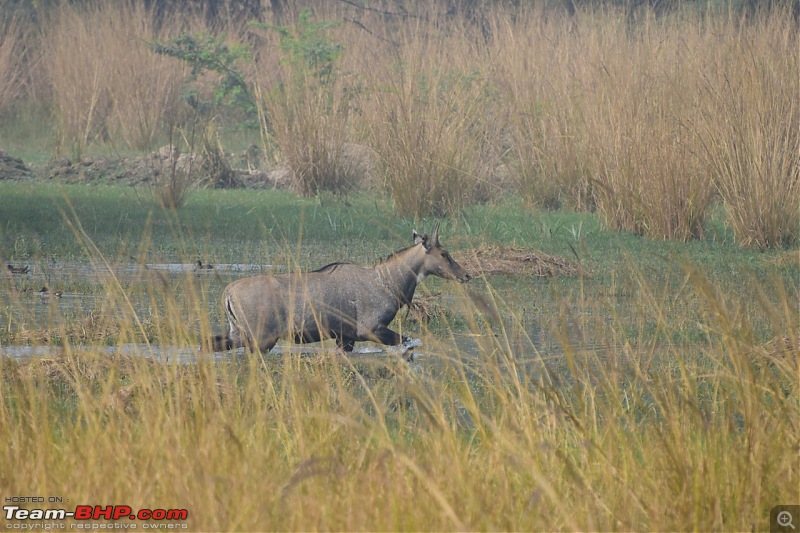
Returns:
point(164, 518)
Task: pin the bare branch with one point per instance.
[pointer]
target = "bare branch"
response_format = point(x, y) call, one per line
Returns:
point(382, 11)
point(361, 25)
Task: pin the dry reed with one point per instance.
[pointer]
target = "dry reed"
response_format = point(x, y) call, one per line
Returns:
point(14, 61)
point(639, 433)
point(106, 82)
point(750, 130)
point(432, 128)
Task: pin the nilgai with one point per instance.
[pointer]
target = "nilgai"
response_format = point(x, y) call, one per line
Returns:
point(340, 301)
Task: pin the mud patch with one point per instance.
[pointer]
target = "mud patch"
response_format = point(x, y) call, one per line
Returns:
point(501, 260)
point(147, 170)
point(13, 168)
point(209, 167)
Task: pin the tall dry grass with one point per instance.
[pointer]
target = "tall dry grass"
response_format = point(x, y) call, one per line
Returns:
point(431, 121)
point(306, 103)
point(15, 57)
point(603, 120)
point(540, 70)
point(311, 126)
point(643, 152)
point(108, 86)
point(750, 129)
point(639, 118)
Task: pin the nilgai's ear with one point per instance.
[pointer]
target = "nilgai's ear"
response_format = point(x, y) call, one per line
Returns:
point(418, 238)
point(435, 238)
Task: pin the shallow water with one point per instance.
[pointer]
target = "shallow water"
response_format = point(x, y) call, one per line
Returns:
point(170, 354)
point(83, 285)
point(86, 290)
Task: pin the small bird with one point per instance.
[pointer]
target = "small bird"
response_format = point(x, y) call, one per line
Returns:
point(203, 266)
point(46, 294)
point(18, 270)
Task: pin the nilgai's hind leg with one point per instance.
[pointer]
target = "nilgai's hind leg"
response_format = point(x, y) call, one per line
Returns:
point(385, 336)
point(345, 344)
point(236, 339)
point(259, 343)
point(230, 340)
point(267, 344)
point(218, 343)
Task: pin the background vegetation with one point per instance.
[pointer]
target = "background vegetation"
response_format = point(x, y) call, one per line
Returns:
point(649, 113)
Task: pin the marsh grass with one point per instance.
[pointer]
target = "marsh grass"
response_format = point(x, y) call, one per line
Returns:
point(755, 157)
point(644, 435)
point(305, 106)
point(648, 177)
point(637, 116)
point(544, 138)
point(657, 404)
point(311, 127)
point(174, 186)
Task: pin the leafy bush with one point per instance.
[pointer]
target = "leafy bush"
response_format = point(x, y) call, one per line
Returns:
point(307, 48)
point(205, 53)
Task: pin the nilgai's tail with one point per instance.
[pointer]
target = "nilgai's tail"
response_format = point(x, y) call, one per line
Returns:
point(220, 343)
point(223, 343)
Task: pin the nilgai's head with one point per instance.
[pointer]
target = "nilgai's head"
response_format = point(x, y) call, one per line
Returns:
point(437, 260)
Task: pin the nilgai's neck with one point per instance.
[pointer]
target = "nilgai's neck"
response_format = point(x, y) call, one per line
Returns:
point(401, 273)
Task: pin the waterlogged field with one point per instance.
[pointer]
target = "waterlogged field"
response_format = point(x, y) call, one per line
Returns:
point(656, 390)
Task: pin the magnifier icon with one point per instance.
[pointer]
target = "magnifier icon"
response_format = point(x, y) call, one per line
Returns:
point(785, 519)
